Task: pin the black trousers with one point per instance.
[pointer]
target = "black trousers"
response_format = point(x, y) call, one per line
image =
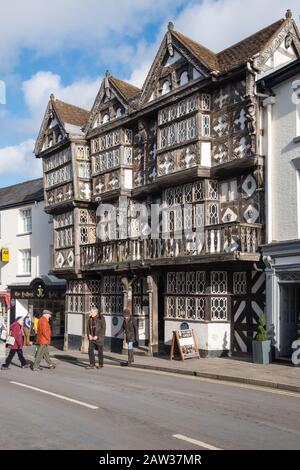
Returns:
point(11, 355)
point(92, 347)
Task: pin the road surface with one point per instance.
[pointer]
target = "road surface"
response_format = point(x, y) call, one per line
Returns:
point(124, 408)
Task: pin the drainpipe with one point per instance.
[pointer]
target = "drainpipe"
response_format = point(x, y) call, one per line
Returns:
point(267, 104)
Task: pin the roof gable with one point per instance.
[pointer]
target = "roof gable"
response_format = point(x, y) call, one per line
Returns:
point(67, 118)
point(285, 41)
point(112, 88)
point(176, 46)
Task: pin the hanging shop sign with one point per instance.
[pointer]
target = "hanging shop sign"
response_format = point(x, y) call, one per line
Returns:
point(186, 343)
point(5, 255)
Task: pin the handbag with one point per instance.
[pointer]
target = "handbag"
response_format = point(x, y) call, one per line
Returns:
point(3, 335)
point(10, 341)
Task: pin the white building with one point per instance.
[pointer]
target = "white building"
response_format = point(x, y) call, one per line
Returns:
point(26, 255)
point(281, 145)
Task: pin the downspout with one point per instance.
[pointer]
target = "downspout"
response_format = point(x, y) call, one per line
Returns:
point(268, 103)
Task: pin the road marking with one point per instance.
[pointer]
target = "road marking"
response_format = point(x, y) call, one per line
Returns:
point(275, 391)
point(62, 397)
point(195, 442)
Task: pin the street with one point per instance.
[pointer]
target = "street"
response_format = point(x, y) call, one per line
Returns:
point(123, 408)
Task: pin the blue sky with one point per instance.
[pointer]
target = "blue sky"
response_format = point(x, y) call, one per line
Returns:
point(65, 48)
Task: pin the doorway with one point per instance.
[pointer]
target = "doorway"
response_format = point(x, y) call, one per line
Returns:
point(161, 315)
point(289, 314)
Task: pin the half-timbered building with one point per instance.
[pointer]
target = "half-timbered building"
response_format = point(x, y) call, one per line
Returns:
point(188, 142)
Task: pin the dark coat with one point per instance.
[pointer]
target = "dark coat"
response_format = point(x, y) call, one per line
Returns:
point(129, 327)
point(100, 330)
point(16, 332)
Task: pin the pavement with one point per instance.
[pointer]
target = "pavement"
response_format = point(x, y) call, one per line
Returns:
point(282, 376)
point(132, 408)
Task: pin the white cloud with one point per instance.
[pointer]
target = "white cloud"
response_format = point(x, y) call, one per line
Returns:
point(20, 159)
point(216, 24)
point(220, 23)
point(39, 87)
point(47, 27)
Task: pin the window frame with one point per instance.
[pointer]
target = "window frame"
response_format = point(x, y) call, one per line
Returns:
point(24, 220)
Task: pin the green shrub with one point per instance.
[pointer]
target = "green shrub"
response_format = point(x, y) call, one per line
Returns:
point(262, 332)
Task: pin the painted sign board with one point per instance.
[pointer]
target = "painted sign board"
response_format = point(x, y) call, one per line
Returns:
point(186, 343)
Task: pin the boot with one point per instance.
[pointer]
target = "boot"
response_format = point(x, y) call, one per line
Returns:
point(130, 356)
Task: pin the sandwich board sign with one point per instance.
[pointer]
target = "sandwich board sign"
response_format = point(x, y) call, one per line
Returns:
point(186, 343)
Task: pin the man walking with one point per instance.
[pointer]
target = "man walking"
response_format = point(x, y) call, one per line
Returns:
point(129, 328)
point(26, 329)
point(43, 341)
point(96, 332)
point(16, 344)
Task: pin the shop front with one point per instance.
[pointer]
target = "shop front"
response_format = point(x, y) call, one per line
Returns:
point(40, 294)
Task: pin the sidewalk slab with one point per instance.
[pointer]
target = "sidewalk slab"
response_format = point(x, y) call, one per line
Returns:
point(238, 370)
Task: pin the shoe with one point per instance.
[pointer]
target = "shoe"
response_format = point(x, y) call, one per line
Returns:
point(52, 366)
point(3, 367)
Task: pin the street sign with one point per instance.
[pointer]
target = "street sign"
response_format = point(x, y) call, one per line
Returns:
point(186, 343)
point(5, 255)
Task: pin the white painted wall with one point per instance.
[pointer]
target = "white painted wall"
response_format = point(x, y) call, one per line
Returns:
point(283, 176)
point(210, 336)
point(38, 241)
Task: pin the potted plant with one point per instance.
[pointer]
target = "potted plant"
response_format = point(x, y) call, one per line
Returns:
point(261, 346)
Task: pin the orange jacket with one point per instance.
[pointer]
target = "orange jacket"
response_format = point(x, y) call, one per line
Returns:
point(43, 332)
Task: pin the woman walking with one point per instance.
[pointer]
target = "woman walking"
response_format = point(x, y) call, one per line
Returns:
point(16, 344)
point(129, 328)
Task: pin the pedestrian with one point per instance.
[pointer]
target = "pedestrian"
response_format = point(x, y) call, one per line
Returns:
point(43, 341)
point(129, 328)
point(96, 333)
point(16, 344)
point(27, 329)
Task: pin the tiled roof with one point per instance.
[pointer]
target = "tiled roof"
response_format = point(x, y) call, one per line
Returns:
point(234, 55)
point(241, 52)
point(127, 90)
point(70, 114)
point(22, 193)
point(205, 55)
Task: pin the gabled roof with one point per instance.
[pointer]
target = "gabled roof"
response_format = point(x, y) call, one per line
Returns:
point(124, 92)
point(70, 114)
point(244, 50)
point(235, 55)
point(206, 56)
point(127, 90)
point(22, 193)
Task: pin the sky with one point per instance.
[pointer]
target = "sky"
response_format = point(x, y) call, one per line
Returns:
point(65, 47)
